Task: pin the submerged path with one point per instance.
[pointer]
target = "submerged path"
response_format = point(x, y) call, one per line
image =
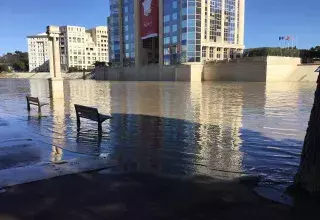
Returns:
point(27, 156)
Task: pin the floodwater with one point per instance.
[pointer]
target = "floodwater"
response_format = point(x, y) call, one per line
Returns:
point(222, 130)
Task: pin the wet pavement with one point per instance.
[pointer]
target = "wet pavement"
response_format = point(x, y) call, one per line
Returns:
point(222, 130)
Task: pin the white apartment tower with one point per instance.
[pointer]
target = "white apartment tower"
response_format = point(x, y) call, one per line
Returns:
point(38, 53)
point(79, 48)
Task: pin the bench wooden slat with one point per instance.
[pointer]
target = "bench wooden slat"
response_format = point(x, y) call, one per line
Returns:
point(32, 99)
point(87, 112)
point(92, 117)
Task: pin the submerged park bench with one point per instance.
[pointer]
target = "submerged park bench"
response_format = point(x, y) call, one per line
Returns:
point(34, 101)
point(91, 114)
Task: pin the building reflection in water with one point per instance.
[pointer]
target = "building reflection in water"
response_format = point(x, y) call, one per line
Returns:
point(58, 108)
point(176, 128)
point(217, 129)
point(219, 115)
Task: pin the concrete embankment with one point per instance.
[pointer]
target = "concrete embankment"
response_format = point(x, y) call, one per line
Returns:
point(248, 69)
point(261, 69)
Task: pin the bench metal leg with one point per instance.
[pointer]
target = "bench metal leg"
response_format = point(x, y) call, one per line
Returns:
point(78, 124)
point(28, 106)
point(39, 108)
point(99, 127)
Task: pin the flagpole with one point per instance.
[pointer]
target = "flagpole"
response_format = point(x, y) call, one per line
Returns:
point(281, 40)
point(281, 46)
point(292, 41)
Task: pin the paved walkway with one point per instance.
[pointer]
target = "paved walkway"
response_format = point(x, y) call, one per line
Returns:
point(27, 156)
point(138, 196)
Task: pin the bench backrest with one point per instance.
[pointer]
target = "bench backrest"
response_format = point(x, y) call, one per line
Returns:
point(87, 112)
point(33, 100)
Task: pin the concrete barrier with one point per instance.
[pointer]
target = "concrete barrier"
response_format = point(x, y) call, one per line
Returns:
point(147, 73)
point(304, 73)
point(251, 69)
point(244, 71)
point(260, 69)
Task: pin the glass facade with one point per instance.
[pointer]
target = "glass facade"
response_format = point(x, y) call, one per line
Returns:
point(190, 31)
point(230, 21)
point(114, 33)
point(171, 31)
point(128, 33)
point(215, 20)
point(238, 22)
point(181, 31)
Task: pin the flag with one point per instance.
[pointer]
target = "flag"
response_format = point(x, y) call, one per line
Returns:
point(281, 38)
point(288, 38)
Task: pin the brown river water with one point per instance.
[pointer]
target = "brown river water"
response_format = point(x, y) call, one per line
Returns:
point(222, 130)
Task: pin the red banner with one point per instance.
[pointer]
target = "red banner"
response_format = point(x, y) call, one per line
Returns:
point(149, 18)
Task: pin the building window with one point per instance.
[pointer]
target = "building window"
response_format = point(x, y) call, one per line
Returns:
point(204, 52)
point(166, 29)
point(166, 18)
point(174, 4)
point(174, 28)
point(174, 16)
point(225, 53)
point(167, 40)
point(174, 39)
point(211, 52)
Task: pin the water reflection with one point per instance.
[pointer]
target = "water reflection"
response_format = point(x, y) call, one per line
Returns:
point(217, 129)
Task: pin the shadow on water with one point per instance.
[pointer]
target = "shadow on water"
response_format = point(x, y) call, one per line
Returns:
point(143, 143)
point(158, 144)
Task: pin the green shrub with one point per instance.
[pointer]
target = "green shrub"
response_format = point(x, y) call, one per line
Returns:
point(4, 68)
point(99, 64)
point(272, 51)
point(73, 69)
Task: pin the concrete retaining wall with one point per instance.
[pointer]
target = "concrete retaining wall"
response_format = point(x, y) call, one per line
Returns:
point(256, 69)
point(150, 73)
point(261, 69)
point(304, 73)
point(280, 69)
point(252, 70)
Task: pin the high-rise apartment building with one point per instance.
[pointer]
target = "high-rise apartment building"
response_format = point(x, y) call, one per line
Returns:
point(79, 48)
point(38, 53)
point(175, 31)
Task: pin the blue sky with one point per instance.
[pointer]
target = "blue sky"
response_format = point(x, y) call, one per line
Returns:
point(266, 20)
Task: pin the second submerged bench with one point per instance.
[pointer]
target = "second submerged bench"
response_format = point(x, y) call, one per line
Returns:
point(91, 114)
point(34, 101)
